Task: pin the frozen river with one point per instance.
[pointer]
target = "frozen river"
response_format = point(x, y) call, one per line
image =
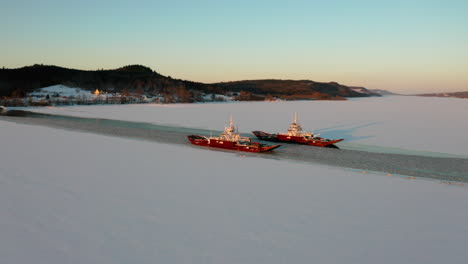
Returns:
point(122, 184)
point(369, 158)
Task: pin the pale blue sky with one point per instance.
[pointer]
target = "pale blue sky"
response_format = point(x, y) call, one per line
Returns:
point(405, 46)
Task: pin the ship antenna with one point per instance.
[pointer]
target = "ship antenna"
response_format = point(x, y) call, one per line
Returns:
point(230, 120)
point(295, 117)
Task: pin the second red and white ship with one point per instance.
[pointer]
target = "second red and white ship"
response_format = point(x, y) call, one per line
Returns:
point(295, 134)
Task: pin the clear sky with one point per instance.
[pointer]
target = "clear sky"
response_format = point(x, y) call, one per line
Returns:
point(402, 45)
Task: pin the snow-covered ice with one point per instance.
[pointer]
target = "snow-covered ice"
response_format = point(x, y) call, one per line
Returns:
point(70, 197)
point(406, 122)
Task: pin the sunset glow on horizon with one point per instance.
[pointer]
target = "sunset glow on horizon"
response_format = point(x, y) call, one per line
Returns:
point(402, 46)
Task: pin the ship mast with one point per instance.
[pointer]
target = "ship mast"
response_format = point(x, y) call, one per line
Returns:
point(294, 129)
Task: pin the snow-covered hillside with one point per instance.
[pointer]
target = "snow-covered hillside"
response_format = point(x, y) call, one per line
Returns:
point(408, 123)
point(70, 197)
point(60, 91)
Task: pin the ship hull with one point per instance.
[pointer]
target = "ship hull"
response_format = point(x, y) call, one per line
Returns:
point(318, 142)
point(225, 144)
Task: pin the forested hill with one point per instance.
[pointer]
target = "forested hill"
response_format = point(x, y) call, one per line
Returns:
point(296, 89)
point(17, 82)
point(138, 78)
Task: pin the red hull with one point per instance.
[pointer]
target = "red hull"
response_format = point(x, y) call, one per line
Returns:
point(224, 144)
point(317, 141)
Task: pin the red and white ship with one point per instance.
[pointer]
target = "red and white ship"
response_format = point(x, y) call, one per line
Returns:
point(296, 135)
point(230, 139)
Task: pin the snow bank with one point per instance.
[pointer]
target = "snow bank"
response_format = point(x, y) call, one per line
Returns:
point(412, 123)
point(69, 197)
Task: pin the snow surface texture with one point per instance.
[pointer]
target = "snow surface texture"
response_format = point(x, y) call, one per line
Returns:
point(69, 197)
point(406, 122)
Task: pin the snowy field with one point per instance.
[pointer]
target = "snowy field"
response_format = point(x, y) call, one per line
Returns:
point(398, 122)
point(70, 197)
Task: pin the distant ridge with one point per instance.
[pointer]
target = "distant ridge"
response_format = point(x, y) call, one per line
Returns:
point(382, 92)
point(138, 78)
point(452, 94)
point(294, 89)
point(364, 90)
